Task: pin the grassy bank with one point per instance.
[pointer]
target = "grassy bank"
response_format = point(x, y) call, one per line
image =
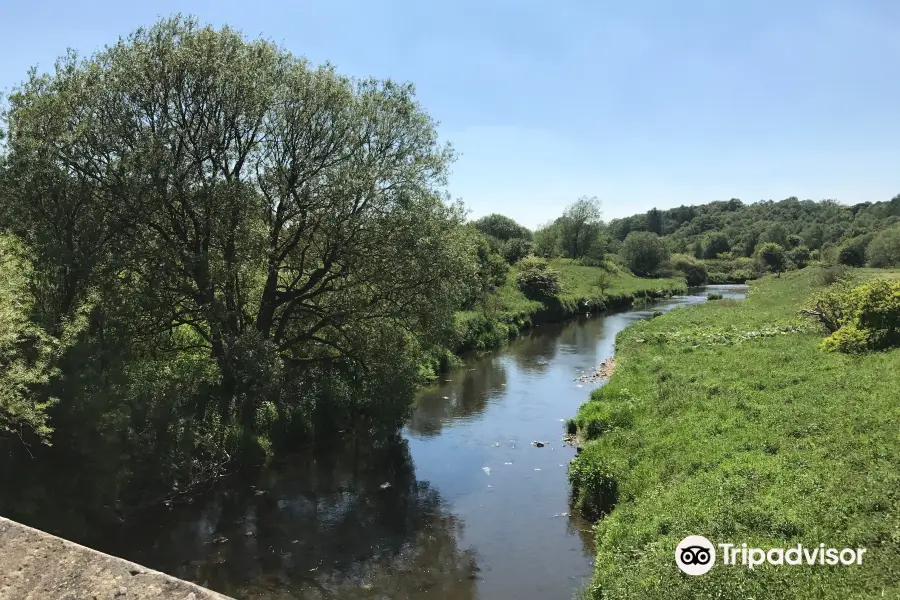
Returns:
point(726, 420)
point(509, 311)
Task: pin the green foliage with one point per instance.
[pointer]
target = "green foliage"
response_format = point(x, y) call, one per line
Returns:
point(609, 409)
point(772, 257)
point(546, 241)
point(644, 253)
point(766, 441)
point(26, 352)
point(694, 271)
point(536, 280)
point(860, 318)
point(604, 279)
point(593, 487)
point(508, 310)
point(884, 249)
point(773, 234)
point(799, 256)
point(853, 252)
point(784, 222)
point(515, 249)
point(230, 276)
point(829, 274)
point(714, 244)
point(714, 296)
point(502, 228)
point(579, 227)
point(491, 270)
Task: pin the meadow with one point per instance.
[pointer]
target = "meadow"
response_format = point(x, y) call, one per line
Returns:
point(728, 420)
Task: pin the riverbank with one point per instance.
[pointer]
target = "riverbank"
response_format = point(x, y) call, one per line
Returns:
point(726, 420)
point(508, 311)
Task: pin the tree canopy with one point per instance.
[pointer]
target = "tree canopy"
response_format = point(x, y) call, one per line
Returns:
point(236, 224)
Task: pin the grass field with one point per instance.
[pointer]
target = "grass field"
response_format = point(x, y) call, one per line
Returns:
point(726, 420)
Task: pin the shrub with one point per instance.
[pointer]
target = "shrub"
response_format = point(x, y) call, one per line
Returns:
point(515, 249)
point(571, 426)
point(853, 252)
point(714, 296)
point(884, 249)
point(644, 252)
point(772, 257)
point(861, 317)
point(830, 274)
point(694, 271)
point(536, 279)
point(800, 256)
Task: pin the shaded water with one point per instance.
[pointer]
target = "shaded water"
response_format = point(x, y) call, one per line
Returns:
point(463, 508)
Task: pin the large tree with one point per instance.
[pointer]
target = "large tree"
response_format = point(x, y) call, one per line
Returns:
point(579, 226)
point(281, 212)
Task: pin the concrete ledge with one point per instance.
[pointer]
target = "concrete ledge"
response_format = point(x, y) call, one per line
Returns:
point(38, 566)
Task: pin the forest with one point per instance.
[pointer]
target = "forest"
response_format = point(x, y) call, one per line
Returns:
point(213, 251)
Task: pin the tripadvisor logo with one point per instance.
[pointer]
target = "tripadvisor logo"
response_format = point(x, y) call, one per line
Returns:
point(696, 555)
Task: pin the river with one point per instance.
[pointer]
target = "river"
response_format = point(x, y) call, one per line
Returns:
point(463, 507)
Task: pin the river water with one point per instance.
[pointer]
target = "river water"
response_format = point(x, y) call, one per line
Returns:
point(463, 507)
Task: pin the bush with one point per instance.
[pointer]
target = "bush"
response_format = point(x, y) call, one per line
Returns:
point(694, 271)
point(515, 249)
point(884, 249)
point(830, 274)
point(644, 252)
point(853, 252)
point(800, 256)
point(714, 296)
point(536, 279)
point(772, 257)
point(861, 318)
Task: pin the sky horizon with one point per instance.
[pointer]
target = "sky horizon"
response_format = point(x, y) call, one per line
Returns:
point(642, 105)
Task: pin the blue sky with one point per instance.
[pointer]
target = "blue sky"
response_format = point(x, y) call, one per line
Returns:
point(643, 103)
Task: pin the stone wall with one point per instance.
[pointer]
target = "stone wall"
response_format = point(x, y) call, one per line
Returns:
point(38, 566)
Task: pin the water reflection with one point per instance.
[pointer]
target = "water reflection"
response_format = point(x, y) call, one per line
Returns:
point(580, 336)
point(464, 394)
point(351, 524)
point(537, 349)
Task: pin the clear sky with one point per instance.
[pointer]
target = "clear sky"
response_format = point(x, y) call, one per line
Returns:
point(643, 103)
